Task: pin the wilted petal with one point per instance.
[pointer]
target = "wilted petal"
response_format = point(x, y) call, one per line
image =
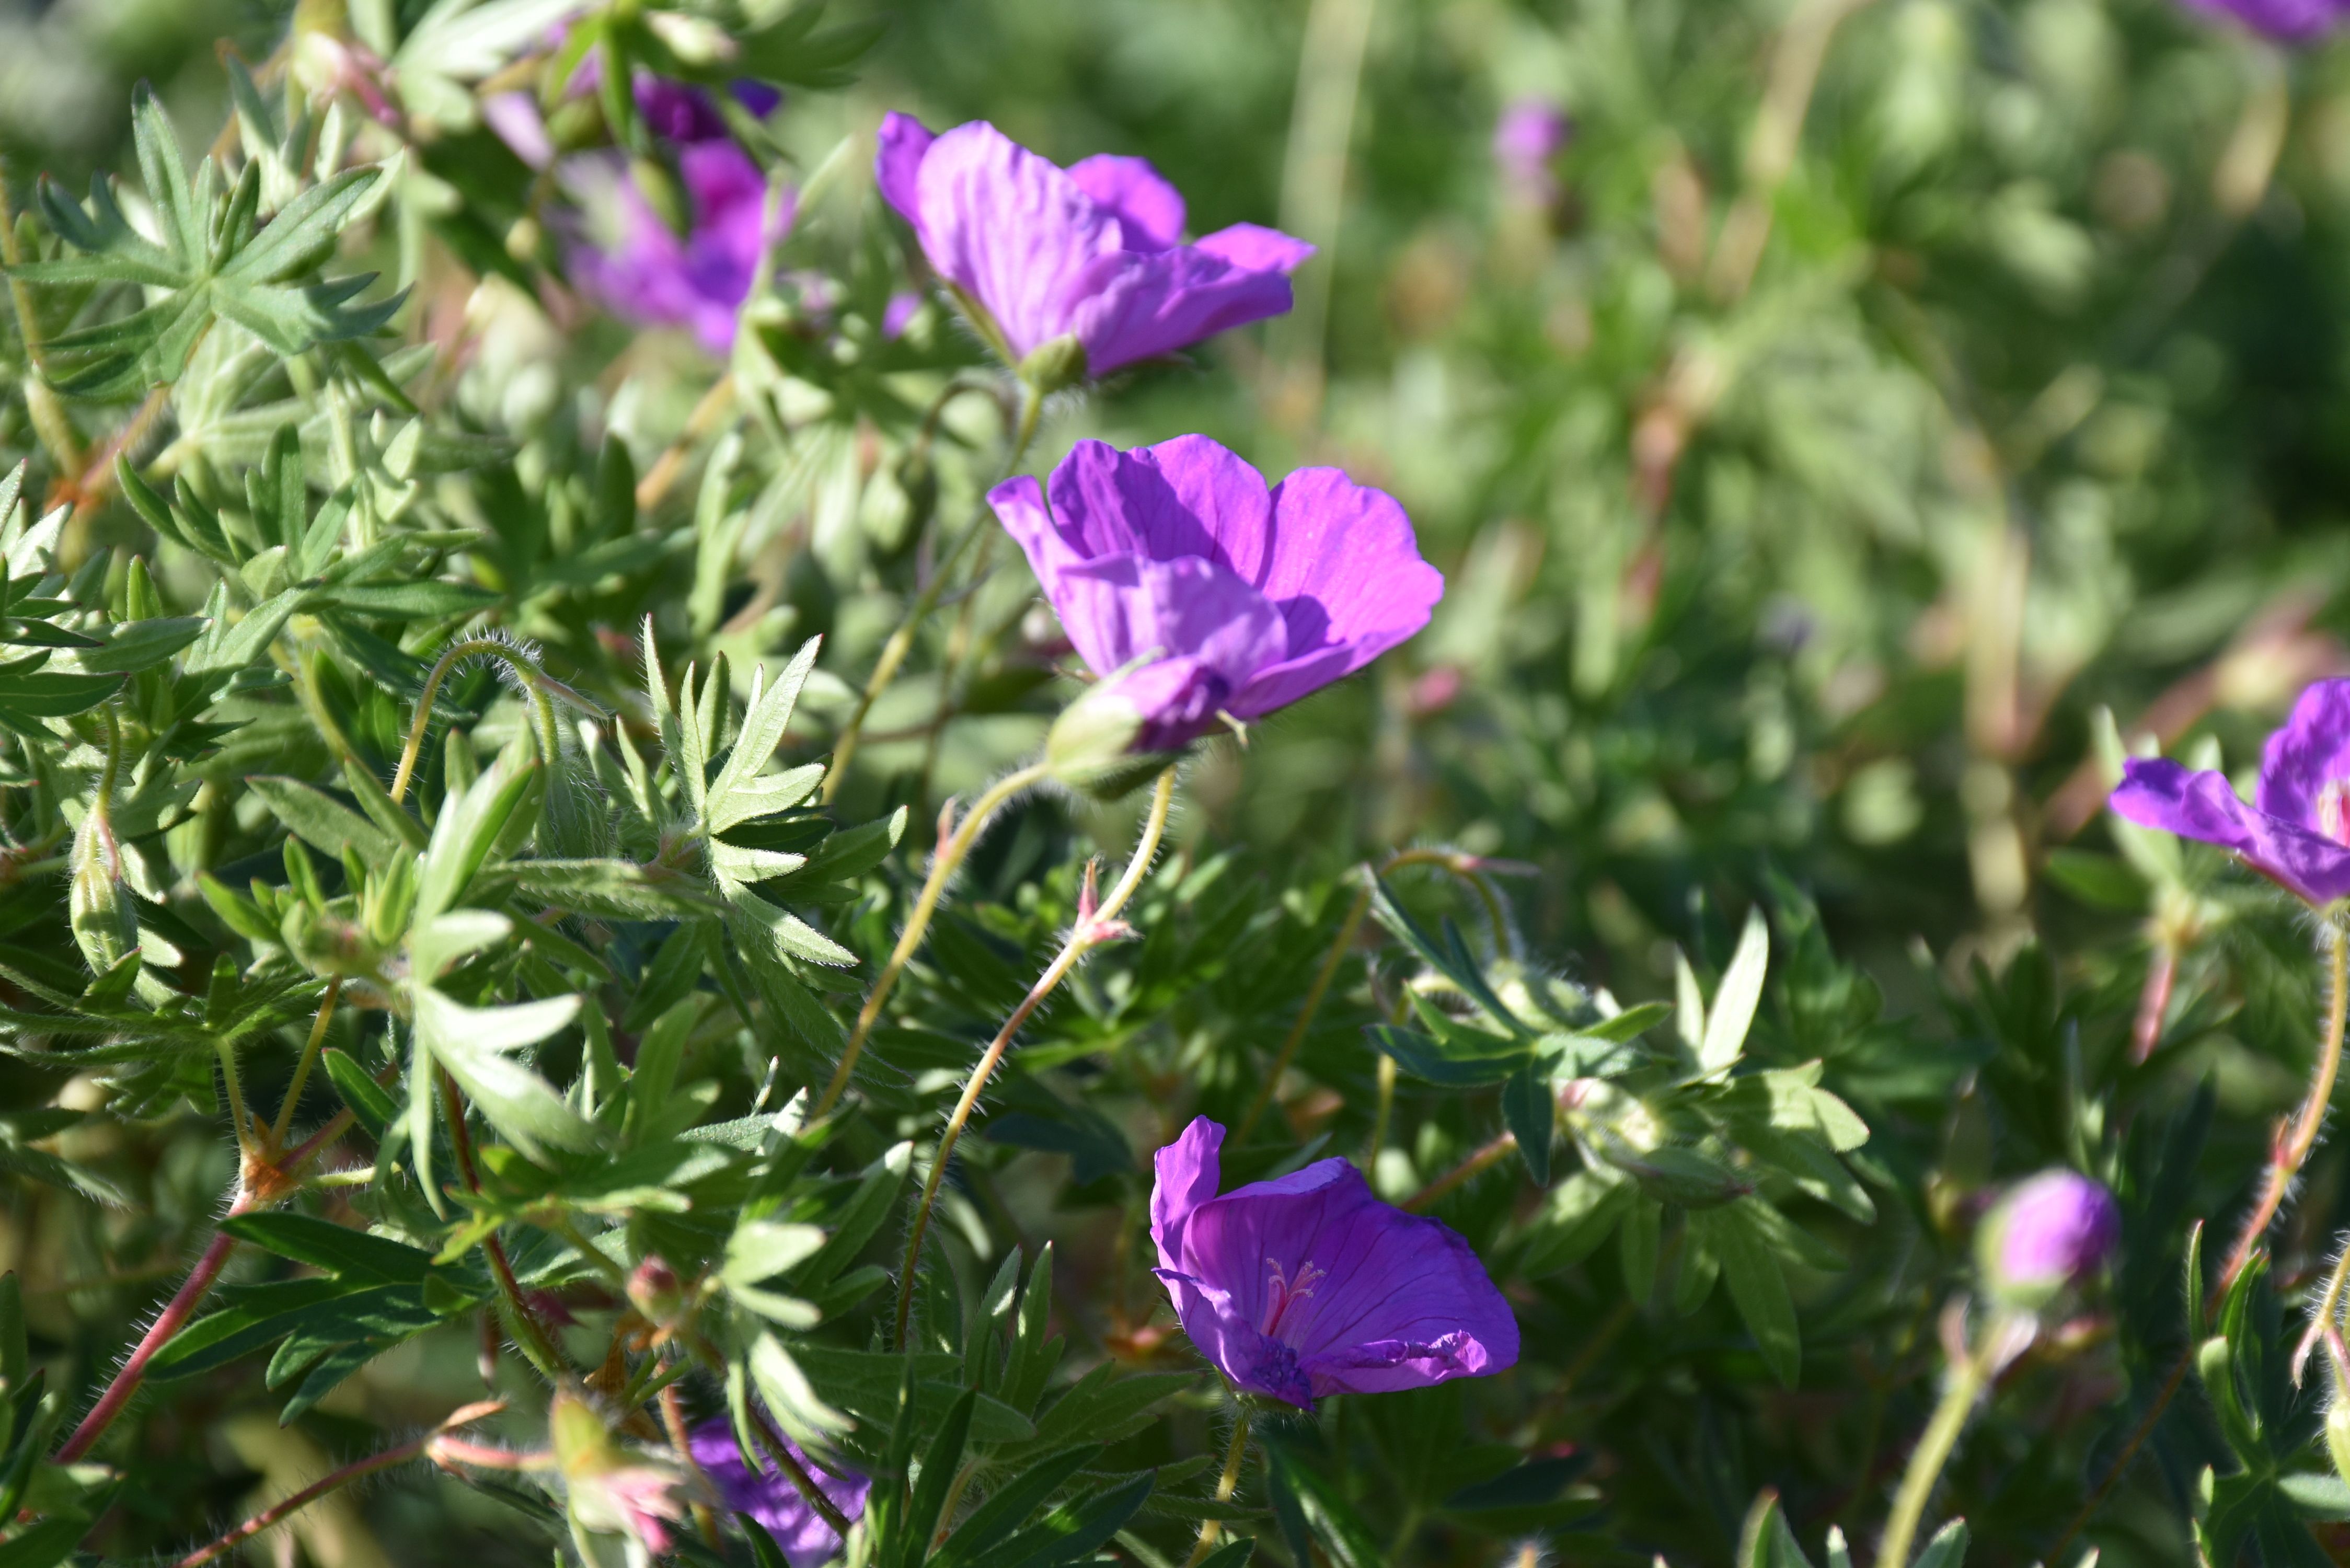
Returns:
point(2158, 793)
point(1150, 212)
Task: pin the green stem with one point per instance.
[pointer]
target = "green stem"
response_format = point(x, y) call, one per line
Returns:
point(944, 866)
point(302, 1068)
point(1226, 1485)
point(902, 640)
point(1092, 930)
point(1958, 1396)
point(457, 653)
point(2297, 1137)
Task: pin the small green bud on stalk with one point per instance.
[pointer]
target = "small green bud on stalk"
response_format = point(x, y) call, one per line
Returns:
point(1091, 747)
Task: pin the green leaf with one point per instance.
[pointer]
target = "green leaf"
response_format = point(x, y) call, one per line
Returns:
point(322, 822)
point(764, 723)
point(368, 1101)
point(1750, 1267)
point(31, 694)
point(1948, 1547)
point(1532, 1118)
point(940, 1461)
point(134, 646)
point(46, 1544)
point(1732, 1012)
point(468, 829)
point(1010, 1503)
point(337, 1249)
point(471, 1044)
point(1073, 1530)
point(1765, 1542)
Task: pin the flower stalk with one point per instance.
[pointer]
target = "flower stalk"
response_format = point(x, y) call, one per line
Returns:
point(953, 848)
point(1970, 1373)
point(1227, 1485)
point(277, 1514)
point(1094, 926)
point(2297, 1137)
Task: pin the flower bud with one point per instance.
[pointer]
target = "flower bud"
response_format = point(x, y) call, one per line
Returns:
point(1091, 747)
point(656, 1291)
point(1055, 365)
point(105, 926)
point(2046, 1234)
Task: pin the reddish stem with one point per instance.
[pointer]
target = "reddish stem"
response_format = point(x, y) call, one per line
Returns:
point(2153, 1003)
point(159, 1333)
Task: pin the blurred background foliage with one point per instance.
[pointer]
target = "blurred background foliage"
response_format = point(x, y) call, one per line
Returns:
point(1865, 399)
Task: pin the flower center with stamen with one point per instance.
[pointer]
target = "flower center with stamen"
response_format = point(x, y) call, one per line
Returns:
point(1287, 1292)
point(2334, 810)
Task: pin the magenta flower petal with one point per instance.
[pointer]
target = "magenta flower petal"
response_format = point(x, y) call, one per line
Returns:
point(770, 1498)
point(2158, 793)
point(903, 141)
point(642, 269)
point(676, 109)
point(515, 117)
point(2046, 1233)
point(1284, 591)
point(1253, 247)
point(1531, 133)
point(1090, 252)
point(1309, 1285)
point(2291, 20)
point(2305, 767)
point(1150, 212)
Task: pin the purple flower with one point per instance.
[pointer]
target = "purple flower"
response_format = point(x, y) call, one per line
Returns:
point(1309, 1286)
point(1529, 135)
point(2046, 1234)
point(771, 1497)
point(1223, 597)
point(2297, 834)
point(1091, 252)
point(628, 257)
point(2293, 20)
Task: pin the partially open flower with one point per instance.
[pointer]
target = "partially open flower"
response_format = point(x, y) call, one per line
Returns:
point(1082, 269)
point(2047, 1234)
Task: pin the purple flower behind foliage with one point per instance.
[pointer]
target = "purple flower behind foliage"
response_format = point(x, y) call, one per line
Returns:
point(1529, 135)
point(1308, 1286)
point(2291, 20)
point(770, 1498)
point(2297, 832)
point(628, 257)
point(1092, 252)
point(2046, 1234)
point(1227, 597)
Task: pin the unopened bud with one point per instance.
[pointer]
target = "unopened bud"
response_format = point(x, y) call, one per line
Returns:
point(105, 926)
point(1091, 747)
point(1055, 365)
point(2045, 1235)
point(656, 1291)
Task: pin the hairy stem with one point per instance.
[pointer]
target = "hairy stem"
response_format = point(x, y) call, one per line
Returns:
point(902, 640)
point(2297, 1137)
point(796, 1473)
point(1967, 1378)
point(167, 1323)
point(1226, 1485)
point(456, 654)
point(538, 1343)
point(672, 1410)
point(1101, 925)
point(943, 865)
point(277, 1514)
point(1484, 1159)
